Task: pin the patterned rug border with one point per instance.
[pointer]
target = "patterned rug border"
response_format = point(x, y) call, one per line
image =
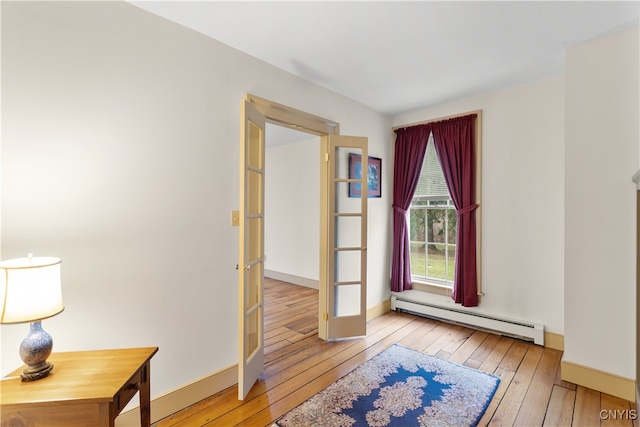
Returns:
point(445, 362)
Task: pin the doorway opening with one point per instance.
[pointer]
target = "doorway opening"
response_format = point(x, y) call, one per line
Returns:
point(291, 239)
point(292, 206)
point(293, 147)
point(342, 281)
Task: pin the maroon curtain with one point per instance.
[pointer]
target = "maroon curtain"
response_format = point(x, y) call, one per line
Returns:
point(411, 145)
point(455, 145)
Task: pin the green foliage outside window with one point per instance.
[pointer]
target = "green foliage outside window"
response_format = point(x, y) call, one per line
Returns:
point(432, 224)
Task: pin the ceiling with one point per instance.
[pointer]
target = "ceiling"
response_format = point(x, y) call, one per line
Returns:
point(397, 57)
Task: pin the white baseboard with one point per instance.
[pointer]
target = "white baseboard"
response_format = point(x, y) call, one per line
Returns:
point(379, 310)
point(290, 278)
point(553, 340)
point(187, 395)
point(605, 382)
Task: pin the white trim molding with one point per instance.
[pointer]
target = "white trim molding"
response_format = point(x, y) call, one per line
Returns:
point(604, 382)
point(183, 397)
point(290, 278)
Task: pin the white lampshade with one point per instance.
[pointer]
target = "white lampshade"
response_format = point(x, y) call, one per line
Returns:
point(30, 289)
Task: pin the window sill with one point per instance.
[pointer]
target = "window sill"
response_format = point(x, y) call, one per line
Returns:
point(432, 288)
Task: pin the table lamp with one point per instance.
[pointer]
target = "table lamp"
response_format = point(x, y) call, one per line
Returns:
point(31, 290)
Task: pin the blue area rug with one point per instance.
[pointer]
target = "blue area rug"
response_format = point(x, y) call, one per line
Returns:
point(399, 387)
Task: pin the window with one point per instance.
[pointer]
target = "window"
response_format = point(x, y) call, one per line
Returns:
point(432, 225)
point(424, 225)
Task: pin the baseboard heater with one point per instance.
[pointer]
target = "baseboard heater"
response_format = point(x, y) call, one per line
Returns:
point(512, 328)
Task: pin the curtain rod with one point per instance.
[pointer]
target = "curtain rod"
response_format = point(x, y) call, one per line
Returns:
point(440, 119)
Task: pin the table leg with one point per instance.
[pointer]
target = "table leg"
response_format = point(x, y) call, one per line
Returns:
point(145, 396)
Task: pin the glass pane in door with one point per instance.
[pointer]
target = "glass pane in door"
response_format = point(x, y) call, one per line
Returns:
point(348, 166)
point(348, 231)
point(255, 245)
point(254, 183)
point(253, 276)
point(347, 266)
point(253, 325)
point(347, 301)
point(255, 145)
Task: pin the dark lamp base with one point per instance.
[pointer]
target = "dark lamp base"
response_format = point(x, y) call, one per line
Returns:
point(32, 373)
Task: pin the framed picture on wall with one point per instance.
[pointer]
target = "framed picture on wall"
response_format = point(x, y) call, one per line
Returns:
point(373, 177)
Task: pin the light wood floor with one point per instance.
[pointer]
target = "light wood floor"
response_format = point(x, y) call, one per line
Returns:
point(299, 364)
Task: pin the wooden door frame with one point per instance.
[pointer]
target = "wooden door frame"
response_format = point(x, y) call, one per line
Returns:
point(302, 121)
point(295, 119)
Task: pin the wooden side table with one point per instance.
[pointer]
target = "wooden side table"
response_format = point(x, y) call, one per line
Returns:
point(86, 388)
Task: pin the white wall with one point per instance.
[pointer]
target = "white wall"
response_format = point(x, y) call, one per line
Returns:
point(602, 135)
point(120, 153)
point(522, 199)
point(292, 209)
point(558, 229)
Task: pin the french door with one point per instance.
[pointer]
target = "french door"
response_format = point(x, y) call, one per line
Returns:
point(251, 250)
point(343, 241)
point(343, 237)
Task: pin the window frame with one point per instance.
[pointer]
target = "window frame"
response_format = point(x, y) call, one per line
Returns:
point(426, 280)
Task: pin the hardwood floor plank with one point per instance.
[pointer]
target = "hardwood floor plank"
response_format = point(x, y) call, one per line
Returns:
point(416, 340)
point(468, 347)
point(587, 407)
point(303, 325)
point(514, 356)
point(538, 394)
point(299, 364)
point(560, 409)
point(470, 363)
point(420, 340)
point(483, 350)
point(283, 319)
point(615, 411)
point(284, 335)
point(510, 405)
point(271, 333)
point(453, 337)
point(498, 355)
point(562, 383)
point(300, 361)
point(505, 381)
